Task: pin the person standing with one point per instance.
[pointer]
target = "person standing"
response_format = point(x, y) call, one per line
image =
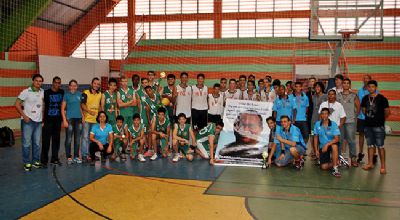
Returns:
point(351, 105)
point(109, 98)
point(223, 85)
point(91, 105)
point(317, 99)
point(216, 105)
point(168, 92)
point(231, 92)
point(29, 105)
point(251, 94)
point(300, 103)
point(282, 106)
point(53, 98)
point(242, 86)
point(376, 109)
point(126, 99)
point(199, 103)
point(183, 98)
point(71, 113)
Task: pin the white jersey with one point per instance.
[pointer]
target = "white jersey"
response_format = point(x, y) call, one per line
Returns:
point(231, 95)
point(253, 97)
point(183, 100)
point(267, 95)
point(33, 103)
point(216, 105)
point(199, 98)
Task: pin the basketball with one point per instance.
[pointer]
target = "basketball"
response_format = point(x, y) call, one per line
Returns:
point(165, 101)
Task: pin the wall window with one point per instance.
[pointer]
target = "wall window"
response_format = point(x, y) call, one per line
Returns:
point(162, 7)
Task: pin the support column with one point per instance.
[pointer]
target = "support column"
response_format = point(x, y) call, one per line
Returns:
point(131, 25)
point(217, 19)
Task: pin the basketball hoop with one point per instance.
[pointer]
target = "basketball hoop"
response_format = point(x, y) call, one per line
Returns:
point(346, 33)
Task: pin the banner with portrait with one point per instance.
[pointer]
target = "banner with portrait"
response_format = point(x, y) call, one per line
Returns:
point(245, 135)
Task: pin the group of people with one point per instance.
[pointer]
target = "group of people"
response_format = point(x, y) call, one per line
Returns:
point(182, 120)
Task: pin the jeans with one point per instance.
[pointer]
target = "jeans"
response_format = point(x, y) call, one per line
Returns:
point(51, 132)
point(31, 133)
point(348, 133)
point(75, 129)
point(375, 136)
point(87, 126)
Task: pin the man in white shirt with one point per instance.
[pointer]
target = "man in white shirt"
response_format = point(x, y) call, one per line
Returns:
point(183, 98)
point(199, 103)
point(337, 113)
point(29, 105)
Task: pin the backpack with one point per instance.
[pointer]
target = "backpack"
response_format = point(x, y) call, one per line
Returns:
point(7, 138)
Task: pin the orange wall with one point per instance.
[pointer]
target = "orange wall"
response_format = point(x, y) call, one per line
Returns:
point(49, 42)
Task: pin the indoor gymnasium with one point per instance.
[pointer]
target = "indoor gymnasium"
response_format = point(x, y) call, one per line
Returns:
point(200, 109)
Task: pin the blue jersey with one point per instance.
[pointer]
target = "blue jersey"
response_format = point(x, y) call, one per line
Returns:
point(326, 134)
point(283, 107)
point(300, 103)
point(101, 134)
point(294, 134)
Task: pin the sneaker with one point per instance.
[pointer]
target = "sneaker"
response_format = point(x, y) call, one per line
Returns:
point(141, 158)
point(28, 167)
point(360, 157)
point(77, 160)
point(375, 159)
point(180, 156)
point(154, 157)
point(299, 164)
point(343, 162)
point(69, 161)
point(37, 165)
point(336, 172)
point(176, 158)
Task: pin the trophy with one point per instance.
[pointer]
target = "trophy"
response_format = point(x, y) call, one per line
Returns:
point(265, 157)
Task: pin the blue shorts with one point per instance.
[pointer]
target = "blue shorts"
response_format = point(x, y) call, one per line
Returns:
point(375, 136)
point(288, 157)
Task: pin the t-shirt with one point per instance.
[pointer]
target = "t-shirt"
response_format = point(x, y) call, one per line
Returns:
point(348, 103)
point(301, 104)
point(167, 91)
point(232, 95)
point(375, 110)
point(52, 104)
point(283, 107)
point(294, 134)
point(73, 104)
point(216, 105)
point(199, 98)
point(101, 134)
point(336, 111)
point(33, 103)
point(326, 134)
point(92, 101)
point(362, 92)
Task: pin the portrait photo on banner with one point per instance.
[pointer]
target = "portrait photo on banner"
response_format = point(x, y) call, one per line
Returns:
point(245, 134)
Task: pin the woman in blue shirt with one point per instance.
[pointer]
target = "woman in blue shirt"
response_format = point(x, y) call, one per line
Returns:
point(101, 138)
point(72, 120)
point(326, 137)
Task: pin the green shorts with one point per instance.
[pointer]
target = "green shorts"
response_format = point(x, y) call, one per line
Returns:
point(184, 149)
point(162, 144)
point(117, 144)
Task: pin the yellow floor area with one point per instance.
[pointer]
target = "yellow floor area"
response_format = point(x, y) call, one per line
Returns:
point(133, 197)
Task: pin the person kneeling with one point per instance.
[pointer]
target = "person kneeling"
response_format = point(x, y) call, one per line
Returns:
point(160, 131)
point(181, 135)
point(207, 139)
point(326, 136)
point(292, 144)
point(101, 138)
point(137, 138)
point(120, 130)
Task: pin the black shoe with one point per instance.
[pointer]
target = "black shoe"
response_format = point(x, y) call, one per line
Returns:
point(55, 162)
point(92, 163)
point(44, 165)
point(360, 157)
point(375, 159)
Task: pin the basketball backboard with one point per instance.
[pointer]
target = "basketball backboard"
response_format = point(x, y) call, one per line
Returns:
point(330, 17)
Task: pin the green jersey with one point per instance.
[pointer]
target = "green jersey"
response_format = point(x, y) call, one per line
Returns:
point(136, 108)
point(206, 131)
point(162, 127)
point(183, 133)
point(153, 104)
point(125, 97)
point(143, 115)
point(110, 106)
point(117, 130)
point(135, 132)
point(167, 91)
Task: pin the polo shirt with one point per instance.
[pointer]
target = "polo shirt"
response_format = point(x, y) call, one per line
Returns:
point(326, 134)
point(283, 107)
point(33, 103)
point(101, 134)
point(300, 103)
point(294, 134)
